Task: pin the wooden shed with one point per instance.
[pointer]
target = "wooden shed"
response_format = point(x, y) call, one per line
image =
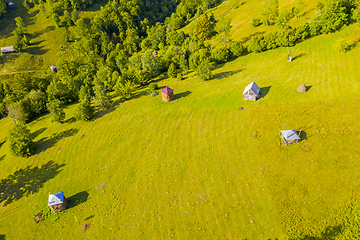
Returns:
point(251, 92)
point(167, 94)
point(9, 49)
point(290, 136)
point(57, 202)
point(11, 5)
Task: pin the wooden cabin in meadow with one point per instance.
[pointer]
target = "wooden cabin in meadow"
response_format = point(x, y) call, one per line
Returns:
point(11, 5)
point(167, 94)
point(9, 49)
point(251, 92)
point(57, 202)
point(290, 136)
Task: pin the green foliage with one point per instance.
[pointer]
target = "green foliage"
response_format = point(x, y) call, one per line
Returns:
point(20, 25)
point(25, 41)
point(56, 108)
point(256, 22)
point(37, 101)
point(3, 9)
point(298, 8)
point(101, 98)
point(56, 19)
point(333, 16)
point(153, 87)
point(343, 45)
point(223, 26)
point(85, 111)
point(221, 54)
point(124, 90)
point(149, 63)
point(204, 70)
point(256, 44)
point(237, 49)
point(17, 112)
point(270, 11)
point(283, 19)
point(184, 65)
point(74, 16)
point(203, 28)
point(172, 71)
point(20, 141)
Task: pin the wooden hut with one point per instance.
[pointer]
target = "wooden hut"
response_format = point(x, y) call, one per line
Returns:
point(57, 202)
point(53, 68)
point(167, 94)
point(155, 53)
point(9, 49)
point(11, 5)
point(290, 136)
point(251, 92)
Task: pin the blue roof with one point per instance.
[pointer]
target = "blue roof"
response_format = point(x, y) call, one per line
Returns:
point(56, 198)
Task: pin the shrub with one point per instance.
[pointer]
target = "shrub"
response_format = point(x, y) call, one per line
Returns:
point(172, 71)
point(256, 22)
point(257, 44)
point(204, 70)
point(153, 87)
point(237, 49)
point(343, 45)
point(221, 54)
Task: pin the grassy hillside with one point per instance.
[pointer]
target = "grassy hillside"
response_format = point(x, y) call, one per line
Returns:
point(197, 167)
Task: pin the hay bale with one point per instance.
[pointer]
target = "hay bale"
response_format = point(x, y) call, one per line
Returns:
point(302, 88)
point(38, 217)
point(85, 227)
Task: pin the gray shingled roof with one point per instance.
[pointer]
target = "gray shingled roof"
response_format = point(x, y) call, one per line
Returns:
point(254, 87)
point(290, 134)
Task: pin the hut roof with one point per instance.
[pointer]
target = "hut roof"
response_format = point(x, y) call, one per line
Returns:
point(53, 67)
point(11, 4)
point(8, 49)
point(167, 90)
point(254, 87)
point(56, 198)
point(302, 88)
point(290, 134)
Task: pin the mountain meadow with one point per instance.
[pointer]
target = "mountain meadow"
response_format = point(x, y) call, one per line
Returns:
point(205, 165)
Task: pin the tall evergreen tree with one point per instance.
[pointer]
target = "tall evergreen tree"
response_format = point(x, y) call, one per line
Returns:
point(56, 108)
point(20, 141)
point(85, 111)
point(101, 98)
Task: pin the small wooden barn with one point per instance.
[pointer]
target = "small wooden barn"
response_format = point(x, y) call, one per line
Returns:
point(11, 5)
point(53, 68)
point(251, 92)
point(9, 49)
point(290, 136)
point(155, 53)
point(167, 94)
point(57, 202)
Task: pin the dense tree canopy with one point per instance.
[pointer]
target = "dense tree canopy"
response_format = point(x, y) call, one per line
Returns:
point(20, 141)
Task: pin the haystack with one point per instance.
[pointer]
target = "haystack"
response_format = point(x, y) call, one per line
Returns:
point(167, 94)
point(302, 88)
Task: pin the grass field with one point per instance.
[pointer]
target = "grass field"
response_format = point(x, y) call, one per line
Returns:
point(199, 168)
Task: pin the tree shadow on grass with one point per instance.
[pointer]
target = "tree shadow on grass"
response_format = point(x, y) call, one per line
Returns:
point(181, 95)
point(110, 109)
point(264, 91)
point(45, 143)
point(2, 237)
point(226, 74)
point(38, 132)
point(27, 181)
point(303, 136)
point(2, 157)
point(330, 233)
point(77, 199)
point(297, 56)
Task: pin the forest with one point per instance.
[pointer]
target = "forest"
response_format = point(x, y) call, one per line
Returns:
point(128, 43)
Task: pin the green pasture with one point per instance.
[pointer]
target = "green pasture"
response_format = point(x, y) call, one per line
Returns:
point(197, 167)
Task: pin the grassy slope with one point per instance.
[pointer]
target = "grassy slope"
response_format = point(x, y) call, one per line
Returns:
point(198, 167)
